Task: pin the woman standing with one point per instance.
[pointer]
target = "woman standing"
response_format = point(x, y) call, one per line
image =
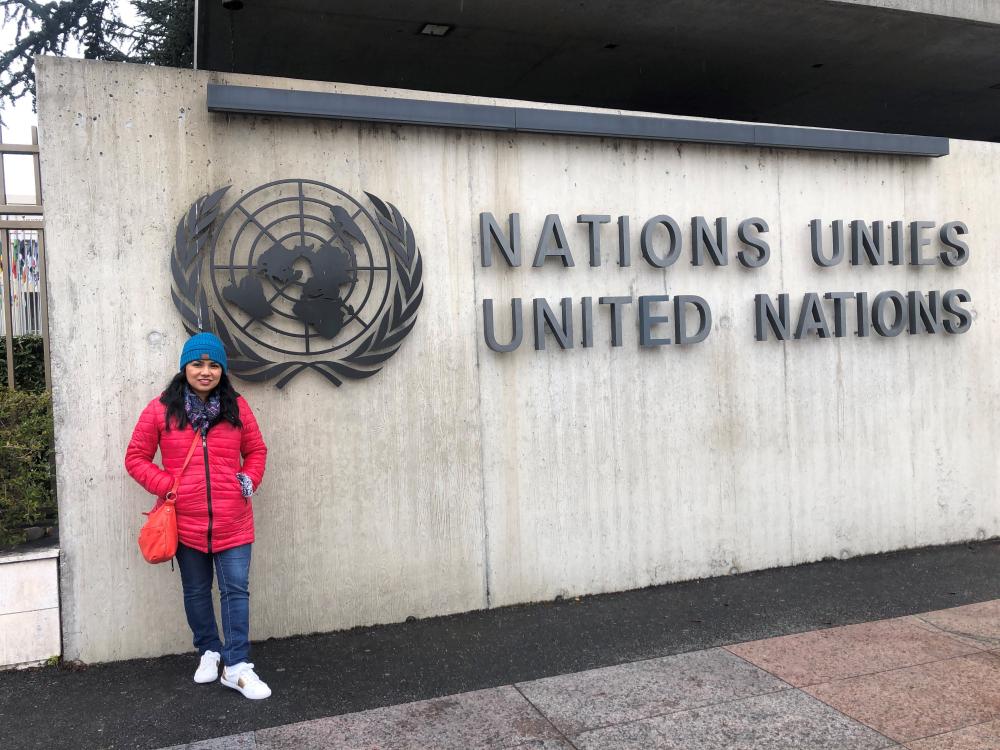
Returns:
point(199, 414)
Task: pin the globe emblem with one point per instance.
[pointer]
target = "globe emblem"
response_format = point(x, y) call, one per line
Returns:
point(302, 267)
point(297, 276)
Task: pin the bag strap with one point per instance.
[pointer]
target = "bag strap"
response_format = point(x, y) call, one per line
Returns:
point(172, 495)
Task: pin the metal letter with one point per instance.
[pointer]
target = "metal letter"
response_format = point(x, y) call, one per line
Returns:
point(879, 323)
point(897, 243)
point(864, 315)
point(757, 243)
point(777, 320)
point(624, 243)
point(718, 246)
point(949, 238)
point(646, 241)
point(812, 318)
point(647, 320)
point(615, 312)
point(546, 318)
point(680, 319)
point(552, 243)
point(490, 231)
point(917, 242)
point(816, 236)
point(594, 221)
point(839, 311)
point(587, 314)
point(871, 243)
point(924, 313)
point(963, 315)
point(516, 324)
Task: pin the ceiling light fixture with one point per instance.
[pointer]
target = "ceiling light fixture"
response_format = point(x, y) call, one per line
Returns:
point(436, 29)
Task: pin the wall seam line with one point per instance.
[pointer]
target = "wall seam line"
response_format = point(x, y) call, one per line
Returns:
point(28, 611)
point(479, 398)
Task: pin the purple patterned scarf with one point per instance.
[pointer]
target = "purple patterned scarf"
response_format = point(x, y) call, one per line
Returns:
point(201, 414)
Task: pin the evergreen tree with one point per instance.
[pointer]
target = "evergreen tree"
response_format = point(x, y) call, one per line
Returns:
point(163, 35)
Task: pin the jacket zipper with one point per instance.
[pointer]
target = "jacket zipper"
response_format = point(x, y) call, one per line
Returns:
point(208, 486)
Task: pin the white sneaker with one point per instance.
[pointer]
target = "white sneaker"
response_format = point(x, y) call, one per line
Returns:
point(242, 677)
point(208, 668)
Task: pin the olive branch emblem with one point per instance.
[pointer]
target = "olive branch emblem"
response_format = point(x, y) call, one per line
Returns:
point(198, 230)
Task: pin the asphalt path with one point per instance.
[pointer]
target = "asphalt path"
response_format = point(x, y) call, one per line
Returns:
point(151, 703)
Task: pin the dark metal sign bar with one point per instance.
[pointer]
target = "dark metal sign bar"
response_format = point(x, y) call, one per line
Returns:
point(264, 101)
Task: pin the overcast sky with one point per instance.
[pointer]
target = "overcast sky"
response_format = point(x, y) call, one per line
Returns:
point(17, 169)
point(17, 129)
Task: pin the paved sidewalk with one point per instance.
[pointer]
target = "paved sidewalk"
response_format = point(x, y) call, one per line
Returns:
point(835, 654)
point(924, 682)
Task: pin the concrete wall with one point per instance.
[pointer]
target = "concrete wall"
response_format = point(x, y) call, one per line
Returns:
point(459, 478)
point(29, 607)
point(986, 11)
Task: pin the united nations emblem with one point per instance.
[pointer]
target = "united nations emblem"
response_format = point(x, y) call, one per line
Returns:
point(298, 275)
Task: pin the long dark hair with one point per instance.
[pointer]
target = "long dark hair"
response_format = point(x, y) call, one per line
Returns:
point(173, 399)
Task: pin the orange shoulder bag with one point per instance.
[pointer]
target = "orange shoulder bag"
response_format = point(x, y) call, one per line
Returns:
point(158, 536)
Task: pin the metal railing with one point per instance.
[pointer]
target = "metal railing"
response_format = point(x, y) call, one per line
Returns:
point(22, 263)
point(23, 280)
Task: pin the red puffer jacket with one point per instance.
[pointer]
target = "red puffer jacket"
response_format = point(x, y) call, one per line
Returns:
point(213, 520)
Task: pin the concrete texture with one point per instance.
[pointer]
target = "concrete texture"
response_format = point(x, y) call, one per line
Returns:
point(787, 720)
point(583, 701)
point(29, 638)
point(29, 607)
point(495, 718)
point(985, 11)
point(28, 584)
point(459, 478)
point(246, 741)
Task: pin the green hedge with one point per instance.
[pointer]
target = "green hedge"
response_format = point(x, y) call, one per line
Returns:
point(26, 440)
point(29, 364)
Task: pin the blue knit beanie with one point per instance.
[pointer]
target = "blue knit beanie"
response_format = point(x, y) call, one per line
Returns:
point(204, 343)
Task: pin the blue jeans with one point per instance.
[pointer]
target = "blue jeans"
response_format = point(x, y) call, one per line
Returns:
point(233, 568)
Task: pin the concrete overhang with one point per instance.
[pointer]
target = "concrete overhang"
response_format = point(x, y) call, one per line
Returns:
point(822, 63)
